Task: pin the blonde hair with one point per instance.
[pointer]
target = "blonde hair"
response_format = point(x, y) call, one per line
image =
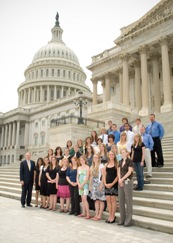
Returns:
point(140, 140)
point(123, 134)
point(115, 159)
point(94, 166)
point(77, 160)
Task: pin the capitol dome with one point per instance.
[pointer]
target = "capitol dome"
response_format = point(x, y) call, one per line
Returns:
point(54, 73)
point(55, 50)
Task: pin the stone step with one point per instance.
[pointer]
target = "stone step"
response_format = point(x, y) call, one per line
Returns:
point(154, 224)
point(154, 203)
point(162, 174)
point(161, 180)
point(156, 187)
point(153, 212)
point(154, 194)
point(161, 170)
point(10, 184)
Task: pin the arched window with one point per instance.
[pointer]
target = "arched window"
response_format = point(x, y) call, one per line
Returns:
point(47, 72)
point(69, 74)
point(58, 72)
point(63, 73)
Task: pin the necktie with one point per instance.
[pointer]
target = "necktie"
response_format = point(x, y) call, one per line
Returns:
point(151, 128)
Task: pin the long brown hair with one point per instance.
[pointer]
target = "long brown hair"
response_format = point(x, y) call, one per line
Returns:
point(115, 159)
point(77, 164)
point(51, 164)
point(95, 168)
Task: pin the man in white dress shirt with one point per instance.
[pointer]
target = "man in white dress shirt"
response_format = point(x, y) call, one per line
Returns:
point(130, 135)
point(136, 129)
point(103, 135)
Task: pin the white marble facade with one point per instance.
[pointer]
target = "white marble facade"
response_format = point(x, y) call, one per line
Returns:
point(137, 72)
point(136, 76)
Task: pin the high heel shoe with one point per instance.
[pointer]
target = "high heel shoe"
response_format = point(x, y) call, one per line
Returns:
point(111, 222)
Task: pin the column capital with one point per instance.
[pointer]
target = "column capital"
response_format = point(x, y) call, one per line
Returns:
point(154, 56)
point(94, 80)
point(136, 63)
point(164, 40)
point(143, 49)
point(124, 57)
point(119, 70)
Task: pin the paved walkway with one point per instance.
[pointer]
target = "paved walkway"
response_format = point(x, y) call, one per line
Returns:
point(32, 225)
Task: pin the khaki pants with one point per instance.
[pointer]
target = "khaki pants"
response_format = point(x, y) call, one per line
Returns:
point(147, 157)
point(125, 196)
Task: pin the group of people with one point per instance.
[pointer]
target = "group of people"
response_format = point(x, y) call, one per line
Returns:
point(98, 169)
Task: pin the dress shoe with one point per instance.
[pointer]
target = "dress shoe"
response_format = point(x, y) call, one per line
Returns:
point(29, 205)
point(148, 176)
point(120, 223)
point(160, 166)
point(23, 206)
point(76, 214)
point(71, 213)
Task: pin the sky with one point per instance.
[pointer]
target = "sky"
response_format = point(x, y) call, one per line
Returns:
point(90, 27)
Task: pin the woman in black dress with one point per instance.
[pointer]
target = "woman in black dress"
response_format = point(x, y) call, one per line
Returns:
point(111, 185)
point(52, 176)
point(43, 184)
point(58, 154)
point(37, 187)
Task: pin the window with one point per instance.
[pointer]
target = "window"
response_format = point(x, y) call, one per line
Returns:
point(52, 72)
point(42, 139)
point(37, 74)
point(74, 76)
point(63, 73)
point(43, 123)
point(35, 140)
point(47, 72)
point(32, 74)
point(58, 72)
point(69, 74)
point(41, 73)
point(36, 124)
point(58, 94)
point(64, 92)
point(51, 94)
point(45, 95)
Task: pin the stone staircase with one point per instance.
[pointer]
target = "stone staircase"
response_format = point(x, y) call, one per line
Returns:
point(153, 207)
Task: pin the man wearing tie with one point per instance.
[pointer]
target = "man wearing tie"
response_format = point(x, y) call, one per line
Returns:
point(27, 168)
point(156, 130)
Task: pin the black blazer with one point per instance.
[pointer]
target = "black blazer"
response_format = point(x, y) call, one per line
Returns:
point(26, 175)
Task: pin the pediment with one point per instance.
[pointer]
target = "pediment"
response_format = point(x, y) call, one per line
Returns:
point(160, 12)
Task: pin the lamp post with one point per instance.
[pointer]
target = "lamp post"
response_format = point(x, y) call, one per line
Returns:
point(80, 102)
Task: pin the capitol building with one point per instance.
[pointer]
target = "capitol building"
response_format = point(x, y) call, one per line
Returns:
point(136, 75)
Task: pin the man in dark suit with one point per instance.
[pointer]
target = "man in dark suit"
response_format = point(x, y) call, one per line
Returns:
point(27, 168)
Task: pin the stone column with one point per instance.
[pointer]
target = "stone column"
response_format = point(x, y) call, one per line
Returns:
point(104, 90)
point(120, 74)
point(2, 137)
point(62, 92)
point(137, 85)
point(26, 135)
point(5, 136)
point(55, 92)
point(167, 88)
point(125, 58)
point(144, 76)
point(41, 94)
point(9, 135)
point(29, 95)
point(48, 93)
point(17, 134)
point(24, 97)
point(107, 86)
point(69, 90)
point(13, 133)
point(156, 82)
point(34, 94)
point(94, 91)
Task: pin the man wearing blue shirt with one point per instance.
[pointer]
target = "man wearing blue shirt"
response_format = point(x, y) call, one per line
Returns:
point(156, 130)
point(148, 142)
point(116, 133)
